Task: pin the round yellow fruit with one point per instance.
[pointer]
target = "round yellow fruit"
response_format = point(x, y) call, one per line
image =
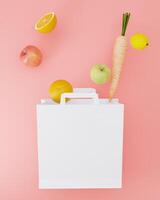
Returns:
point(59, 87)
point(47, 23)
point(139, 41)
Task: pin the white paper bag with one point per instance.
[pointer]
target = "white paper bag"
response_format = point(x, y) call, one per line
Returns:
point(80, 142)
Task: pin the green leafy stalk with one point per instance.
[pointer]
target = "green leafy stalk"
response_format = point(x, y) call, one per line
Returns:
point(125, 20)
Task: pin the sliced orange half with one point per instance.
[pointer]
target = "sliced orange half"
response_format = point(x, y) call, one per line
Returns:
point(47, 23)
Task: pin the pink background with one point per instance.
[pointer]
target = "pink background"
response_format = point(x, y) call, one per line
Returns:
point(84, 36)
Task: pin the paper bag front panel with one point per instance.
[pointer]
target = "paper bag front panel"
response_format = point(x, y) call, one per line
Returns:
point(80, 146)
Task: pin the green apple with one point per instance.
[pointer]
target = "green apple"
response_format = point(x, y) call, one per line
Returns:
point(100, 73)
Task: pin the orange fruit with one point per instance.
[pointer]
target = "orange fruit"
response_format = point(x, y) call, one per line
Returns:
point(47, 23)
point(59, 87)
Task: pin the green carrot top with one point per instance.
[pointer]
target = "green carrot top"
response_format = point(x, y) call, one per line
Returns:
point(125, 20)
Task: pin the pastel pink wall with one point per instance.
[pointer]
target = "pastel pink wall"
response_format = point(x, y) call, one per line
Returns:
point(84, 36)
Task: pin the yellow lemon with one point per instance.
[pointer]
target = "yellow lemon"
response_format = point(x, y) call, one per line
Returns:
point(47, 23)
point(139, 41)
point(59, 87)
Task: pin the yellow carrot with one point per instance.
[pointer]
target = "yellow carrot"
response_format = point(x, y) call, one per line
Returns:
point(118, 56)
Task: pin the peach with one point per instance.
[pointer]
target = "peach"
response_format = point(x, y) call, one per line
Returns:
point(31, 56)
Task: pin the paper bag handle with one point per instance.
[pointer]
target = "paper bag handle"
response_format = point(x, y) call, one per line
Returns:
point(77, 95)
